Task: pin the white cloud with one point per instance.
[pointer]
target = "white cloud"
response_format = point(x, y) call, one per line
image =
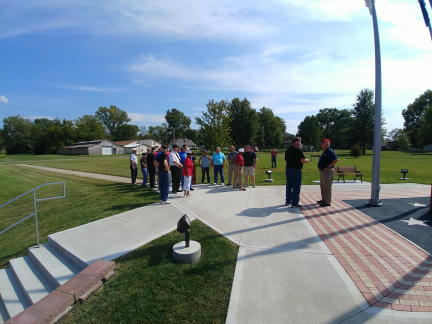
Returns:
point(139, 118)
point(4, 99)
point(91, 88)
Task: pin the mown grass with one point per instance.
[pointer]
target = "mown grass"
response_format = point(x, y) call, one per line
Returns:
point(151, 288)
point(419, 165)
point(86, 200)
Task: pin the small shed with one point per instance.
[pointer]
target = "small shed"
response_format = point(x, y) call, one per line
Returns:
point(99, 147)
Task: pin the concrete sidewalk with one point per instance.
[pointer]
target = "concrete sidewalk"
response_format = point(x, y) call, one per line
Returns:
point(285, 272)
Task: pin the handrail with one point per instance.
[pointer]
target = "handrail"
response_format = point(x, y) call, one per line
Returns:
point(34, 206)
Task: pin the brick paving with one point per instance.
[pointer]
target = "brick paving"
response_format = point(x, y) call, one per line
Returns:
point(390, 271)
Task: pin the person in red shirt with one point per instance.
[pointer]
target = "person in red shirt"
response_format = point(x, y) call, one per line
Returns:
point(239, 165)
point(187, 174)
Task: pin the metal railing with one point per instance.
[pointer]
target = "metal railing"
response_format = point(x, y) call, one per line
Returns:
point(34, 206)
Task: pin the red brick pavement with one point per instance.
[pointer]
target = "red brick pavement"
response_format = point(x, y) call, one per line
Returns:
point(390, 271)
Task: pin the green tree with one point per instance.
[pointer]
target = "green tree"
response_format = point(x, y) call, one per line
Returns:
point(273, 128)
point(310, 131)
point(142, 132)
point(177, 122)
point(158, 133)
point(89, 128)
point(16, 134)
point(50, 135)
point(400, 137)
point(362, 128)
point(355, 151)
point(214, 125)
point(112, 118)
point(125, 132)
point(335, 125)
point(425, 128)
point(245, 122)
point(413, 115)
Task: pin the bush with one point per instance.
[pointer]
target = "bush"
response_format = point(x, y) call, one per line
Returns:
point(355, 151)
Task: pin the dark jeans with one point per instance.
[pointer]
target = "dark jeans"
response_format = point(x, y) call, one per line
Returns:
point(144, 172)
point(134, 173)
point(293, 185)
point(152, 175)
point(205, 170)
point(218, 169)
point(175, 178)
point(164, 185)
point(273, 160)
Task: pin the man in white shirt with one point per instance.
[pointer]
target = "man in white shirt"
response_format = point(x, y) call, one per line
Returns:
point(175, 168)
point(133, 160)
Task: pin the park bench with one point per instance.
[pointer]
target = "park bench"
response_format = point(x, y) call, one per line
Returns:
point(341, 171)
point(317, 156)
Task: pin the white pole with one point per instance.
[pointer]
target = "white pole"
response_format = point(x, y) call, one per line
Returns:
point(374, 201)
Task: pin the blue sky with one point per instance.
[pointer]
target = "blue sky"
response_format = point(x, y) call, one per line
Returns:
point(64, 59)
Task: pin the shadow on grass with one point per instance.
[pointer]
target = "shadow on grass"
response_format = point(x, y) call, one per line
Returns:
point(144, 196)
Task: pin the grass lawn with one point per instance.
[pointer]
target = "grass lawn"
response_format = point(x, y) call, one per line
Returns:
point(86, 200)
point(151, 288)
point(419, 166)
point(148, 286)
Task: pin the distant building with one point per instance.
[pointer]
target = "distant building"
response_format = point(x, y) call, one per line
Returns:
point(151, 143)
point(100, 147)
point(181, 141)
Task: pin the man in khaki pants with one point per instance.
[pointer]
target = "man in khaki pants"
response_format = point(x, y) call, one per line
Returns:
point(238, 172)
point(325, 165)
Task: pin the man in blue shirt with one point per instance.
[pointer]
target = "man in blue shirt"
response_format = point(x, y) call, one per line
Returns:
point(325, 165)
point(218, 161)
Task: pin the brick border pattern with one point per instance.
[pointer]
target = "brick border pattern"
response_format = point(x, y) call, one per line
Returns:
point(389, 270)
point(58, 303)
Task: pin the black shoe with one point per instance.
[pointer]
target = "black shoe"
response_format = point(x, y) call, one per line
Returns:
point(288, 204)
point(174, 192)
point(192, 189)
point(320, 201)
point(323, 204)
point(299, 206)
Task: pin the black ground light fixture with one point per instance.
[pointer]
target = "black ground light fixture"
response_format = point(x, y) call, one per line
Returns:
point(183, 226)
point(404, 172)
point(186, 251)
point(269, 172)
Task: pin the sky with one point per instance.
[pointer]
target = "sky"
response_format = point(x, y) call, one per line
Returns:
point(64, 59)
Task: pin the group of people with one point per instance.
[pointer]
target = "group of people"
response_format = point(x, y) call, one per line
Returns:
point(242, 164)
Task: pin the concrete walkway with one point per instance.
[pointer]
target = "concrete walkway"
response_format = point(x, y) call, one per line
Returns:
point(289, 267)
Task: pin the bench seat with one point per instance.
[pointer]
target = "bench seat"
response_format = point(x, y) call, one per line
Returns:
point(341, 171)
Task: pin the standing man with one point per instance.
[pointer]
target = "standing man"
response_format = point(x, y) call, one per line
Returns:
point(144, 168)
point(250, 162)
point(175, 167)
point(151, 167)
point(204, 162)
point(239, 165)
point(231, 167)
point(325, 165)
point(162, 161)
point(294, 159)
point(274, 153)
point(218, 161)
point(133, 160)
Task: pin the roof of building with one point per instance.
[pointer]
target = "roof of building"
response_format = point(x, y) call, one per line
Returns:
point(123, 143)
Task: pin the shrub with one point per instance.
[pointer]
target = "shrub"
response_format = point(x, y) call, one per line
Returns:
point(355, 151)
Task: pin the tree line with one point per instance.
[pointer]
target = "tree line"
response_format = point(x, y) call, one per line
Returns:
point(349, 127)
point(224, 123)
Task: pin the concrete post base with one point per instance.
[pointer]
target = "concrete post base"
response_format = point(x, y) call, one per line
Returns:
point(184, 254)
